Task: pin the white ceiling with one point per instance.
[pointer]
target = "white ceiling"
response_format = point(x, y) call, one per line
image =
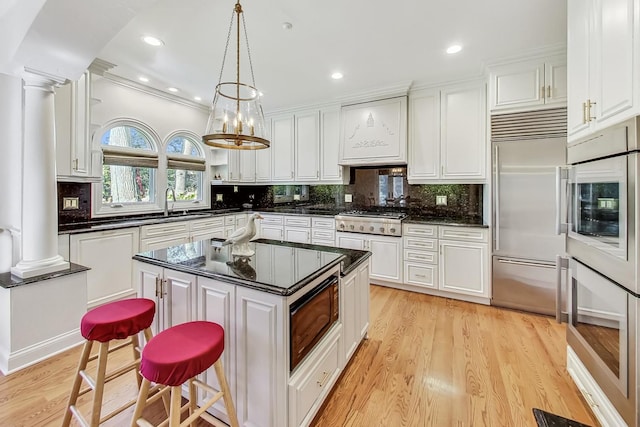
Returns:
point(374, 43)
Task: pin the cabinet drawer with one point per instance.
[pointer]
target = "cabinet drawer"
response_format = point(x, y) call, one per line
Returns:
point(160, 230)
point(421, 244)
point(420, 257)
point(299, 235)
point(271, 220)
point(297, 221)
point(274, 233)
point(230, 220)
point(323, 235)
point(321, 242)
point(465, 233)
point(420, 230)
point(207, 224)
point(328, 223)
point(312, 383)
point(421, 275)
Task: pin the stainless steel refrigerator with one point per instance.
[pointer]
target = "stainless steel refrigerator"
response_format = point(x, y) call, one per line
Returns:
point(528, 199)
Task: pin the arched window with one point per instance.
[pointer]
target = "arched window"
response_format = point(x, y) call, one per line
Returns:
point(130, 162)
point(185, 167)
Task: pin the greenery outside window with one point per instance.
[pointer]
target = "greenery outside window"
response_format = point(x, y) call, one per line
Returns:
point(185, 168)
point(129, 169)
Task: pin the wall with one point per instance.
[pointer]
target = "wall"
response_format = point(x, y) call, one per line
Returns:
point(11, 158)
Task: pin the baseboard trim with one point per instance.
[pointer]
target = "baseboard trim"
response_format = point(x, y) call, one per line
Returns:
point(38, 352)
point(434, 292)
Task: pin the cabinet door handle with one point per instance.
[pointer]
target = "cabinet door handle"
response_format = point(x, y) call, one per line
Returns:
point(291, 174)
point(542, 92)
point(324, 379)
point(75, 164)
point(549, 92)
point(590, 104)
point(584, 113)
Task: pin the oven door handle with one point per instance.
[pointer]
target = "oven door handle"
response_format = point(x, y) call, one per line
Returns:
point(561, 263)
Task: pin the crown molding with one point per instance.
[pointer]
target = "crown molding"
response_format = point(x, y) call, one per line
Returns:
point(100, 66)
point(531, 54)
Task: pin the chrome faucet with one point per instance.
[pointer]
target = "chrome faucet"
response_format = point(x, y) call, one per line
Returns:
point(166, 200)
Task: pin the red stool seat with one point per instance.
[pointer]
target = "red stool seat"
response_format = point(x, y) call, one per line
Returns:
point(182, 352)
point(117, 320)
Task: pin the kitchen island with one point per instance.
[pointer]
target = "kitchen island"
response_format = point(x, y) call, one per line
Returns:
point(252, 298)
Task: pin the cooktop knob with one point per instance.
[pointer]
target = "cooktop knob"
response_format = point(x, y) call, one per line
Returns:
point(342, 225)
point(351, 226)
point(382, 229)
point(361, 227)
point(371, 228)
point(393, 230)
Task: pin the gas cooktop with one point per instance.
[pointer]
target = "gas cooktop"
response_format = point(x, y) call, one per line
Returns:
point(374, 214)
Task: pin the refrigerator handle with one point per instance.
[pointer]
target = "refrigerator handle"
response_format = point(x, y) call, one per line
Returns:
point(561, 263)
point(496, 198)
point(561, 173)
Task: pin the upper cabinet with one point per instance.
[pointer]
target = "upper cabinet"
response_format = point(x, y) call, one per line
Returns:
point(602, 67)
point(448, 136)
point(74, 155)
point(374, 133)
point(527, 85)
point(330, 170)
point(307, 152)
point(282, 145)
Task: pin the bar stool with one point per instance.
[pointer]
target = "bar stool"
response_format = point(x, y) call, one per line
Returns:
point(175, 356)
point(113, 321)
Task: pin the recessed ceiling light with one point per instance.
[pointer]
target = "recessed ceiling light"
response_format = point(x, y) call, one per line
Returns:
point(287, 25)
point(153, 41)
point(172, 89)
point(197, 98)
point(454, 49)
point(143, 79)
point(336, 76)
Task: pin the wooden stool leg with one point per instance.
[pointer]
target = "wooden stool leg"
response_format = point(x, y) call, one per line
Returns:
point(99, 390)
point(228, 400)
point(176, 404)
point(193, 398)
point(141, 402)
point(77, 382)
point(135, 345)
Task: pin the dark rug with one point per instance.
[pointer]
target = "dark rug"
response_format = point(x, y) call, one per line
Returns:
point(547, 419)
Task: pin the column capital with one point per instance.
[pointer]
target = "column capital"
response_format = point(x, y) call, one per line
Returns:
point(38, 79)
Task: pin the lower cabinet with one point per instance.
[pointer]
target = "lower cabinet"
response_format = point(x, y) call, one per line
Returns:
point(354, 310)
point(109, 255)
point(447, 261)
point(386, 258)
point(173, 292)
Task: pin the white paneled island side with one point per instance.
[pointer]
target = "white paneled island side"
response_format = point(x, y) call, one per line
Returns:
point(256, 300)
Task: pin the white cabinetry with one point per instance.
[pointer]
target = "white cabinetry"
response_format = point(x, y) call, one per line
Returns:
point(330, 170)
point(386, 259)
point(464, 261)
point(160, 236)
point(527, 85)
point(297, 229)
point(323, 231)
point(282, 146)
point(216, 303)
point(271, 227)
point(448, 140)
point(242, 165)
point(420, 255)
point(173, 292)
point(74, 155)
point(307, 146)
point(603, 37)
point(354, 309)
point(207, 228)
point(109, 255)
point(261, 376)
point(374, 133)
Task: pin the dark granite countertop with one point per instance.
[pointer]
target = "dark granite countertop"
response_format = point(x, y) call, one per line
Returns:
point(280, 268)
point(7, 280)
point(125, 222)
point(310, 211)
point(414, 218)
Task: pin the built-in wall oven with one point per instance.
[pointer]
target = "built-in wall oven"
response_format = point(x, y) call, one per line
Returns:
point(602, 242)
point(311, 316)
point(603, 197)
point(602, 332)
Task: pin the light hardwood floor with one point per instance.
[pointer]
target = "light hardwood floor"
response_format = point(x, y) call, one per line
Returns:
point(428, 362)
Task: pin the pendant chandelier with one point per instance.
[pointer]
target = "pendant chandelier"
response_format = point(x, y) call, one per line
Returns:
point(236, 121)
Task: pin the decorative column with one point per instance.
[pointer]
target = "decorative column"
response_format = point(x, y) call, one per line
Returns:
point(39, 228)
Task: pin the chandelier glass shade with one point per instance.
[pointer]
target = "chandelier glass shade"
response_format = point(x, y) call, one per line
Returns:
point(237, 120)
